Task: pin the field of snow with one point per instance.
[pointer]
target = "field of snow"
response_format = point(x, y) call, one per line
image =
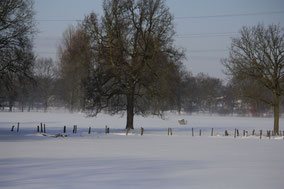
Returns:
point(154, 160)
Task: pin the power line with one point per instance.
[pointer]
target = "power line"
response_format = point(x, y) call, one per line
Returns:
point(48, 38)
point(212, 33)
point(59, 20)
point(42, 52)
point(207, 50)
point(179, 37)
point(200, 35)
point(183, 17)
point(184, 35)
point(231, 15)
point(190, 51)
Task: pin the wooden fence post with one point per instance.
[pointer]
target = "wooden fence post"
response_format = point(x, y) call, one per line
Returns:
point(142, 131)
point(260, 134)
point(44, 128)
point(235, 133)
point(244, 133)
point(192, 132)
point(18, 127)
point(75, 129)
point(107, 130)
point(238, 134)
point(89, 130)
point(200, 132)
point(64, 129)
point(170, 131)
point(212, 132)
point(253, 132)
point(41, 129)
point(226, 133)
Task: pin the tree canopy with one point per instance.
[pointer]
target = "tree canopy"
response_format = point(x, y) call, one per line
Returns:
point(257, 57)
point(133, 56)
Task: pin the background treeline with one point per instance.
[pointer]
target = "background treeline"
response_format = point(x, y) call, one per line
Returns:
point(125, 61)
point(61, 85)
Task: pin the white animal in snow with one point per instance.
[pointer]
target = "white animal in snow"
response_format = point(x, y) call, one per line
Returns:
point(182, 121)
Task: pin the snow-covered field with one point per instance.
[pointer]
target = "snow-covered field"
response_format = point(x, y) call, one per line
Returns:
point(155, 160)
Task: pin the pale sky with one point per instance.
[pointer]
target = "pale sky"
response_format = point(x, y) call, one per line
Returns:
point(204, 27)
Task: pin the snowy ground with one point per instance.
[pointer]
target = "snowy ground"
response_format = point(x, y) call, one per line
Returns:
point(155, 160)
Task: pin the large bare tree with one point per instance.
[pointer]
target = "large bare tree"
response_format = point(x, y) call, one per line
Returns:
point(257, 56)
point(134, 57)
point(17, 29)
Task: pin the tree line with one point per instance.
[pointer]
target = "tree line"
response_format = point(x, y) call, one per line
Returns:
point(127, 61)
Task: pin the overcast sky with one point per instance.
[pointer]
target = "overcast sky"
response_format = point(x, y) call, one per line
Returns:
point(204, 27)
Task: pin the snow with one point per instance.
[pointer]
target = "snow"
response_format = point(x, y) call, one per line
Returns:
point(154, 160)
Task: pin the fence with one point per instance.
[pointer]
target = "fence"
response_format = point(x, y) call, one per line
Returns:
point(42, 128)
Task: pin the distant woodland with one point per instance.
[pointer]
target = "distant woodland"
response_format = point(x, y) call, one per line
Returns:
point(127, 61)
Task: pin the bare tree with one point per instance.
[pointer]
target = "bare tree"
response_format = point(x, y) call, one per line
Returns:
point(45, 74)
point(258, 55)
point(201, 93)
point(74, 67)
point(133, 53)
point(16, 29)
point(16, 56)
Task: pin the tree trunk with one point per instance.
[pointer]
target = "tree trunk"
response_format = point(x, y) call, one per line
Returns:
point(45, 105)
point(82, 98)
point(276, 113)
point(22, 103)
point(10, 106)
point(71, 101)
point(130, 112)
point(179, 98)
